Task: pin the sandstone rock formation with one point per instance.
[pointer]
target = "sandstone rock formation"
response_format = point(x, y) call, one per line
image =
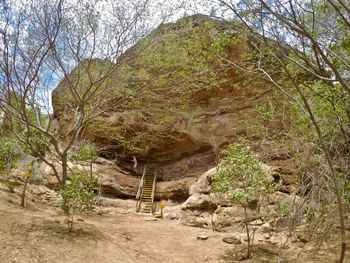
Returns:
point(202, 210)
point(190, 108)
point(119, 183)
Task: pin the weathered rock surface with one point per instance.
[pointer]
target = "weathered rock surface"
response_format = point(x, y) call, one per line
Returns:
point(122, 184)
point(202, 186)
point(232, 240)
point(116, 182)
point(180, 129)
point(197, 201)
point(183, 135)
point(176, 190)
point(225, 217)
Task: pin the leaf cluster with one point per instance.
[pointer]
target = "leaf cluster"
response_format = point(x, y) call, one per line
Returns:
point(80, 193)
point(87, 152)
point(240, 175)
point(10, 153)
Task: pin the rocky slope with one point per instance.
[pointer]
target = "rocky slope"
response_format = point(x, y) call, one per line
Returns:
point(191, 106)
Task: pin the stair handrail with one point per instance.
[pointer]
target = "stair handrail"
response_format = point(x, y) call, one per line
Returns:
point(153, 189)
point(141, 195)
point(139, 191)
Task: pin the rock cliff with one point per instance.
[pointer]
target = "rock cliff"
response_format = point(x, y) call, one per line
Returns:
point(188, 106)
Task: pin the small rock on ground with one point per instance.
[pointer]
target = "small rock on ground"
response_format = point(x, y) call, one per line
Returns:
point(202, 237)
point(232, 240)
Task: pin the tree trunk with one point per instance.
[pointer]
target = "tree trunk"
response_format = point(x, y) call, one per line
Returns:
point(64, 170)
point(24, 191)
point(334, 179)
point(249, 252)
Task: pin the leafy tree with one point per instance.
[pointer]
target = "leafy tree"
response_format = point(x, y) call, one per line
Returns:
point(76, 44)
point(10, 153)
point(78, 195)
point(302, 48)
point(240, 175)
point(87, 153)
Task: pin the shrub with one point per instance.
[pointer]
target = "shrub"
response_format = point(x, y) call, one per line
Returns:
point(240, 175)
point(79, 195)
point(10, 152)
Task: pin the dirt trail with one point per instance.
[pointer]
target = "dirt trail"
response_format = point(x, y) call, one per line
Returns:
point(38, 234)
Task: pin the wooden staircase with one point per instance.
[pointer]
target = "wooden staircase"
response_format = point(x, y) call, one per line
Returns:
point(145, 193)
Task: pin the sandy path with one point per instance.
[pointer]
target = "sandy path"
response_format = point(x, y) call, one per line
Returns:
point(34, 235)
point(38, 234)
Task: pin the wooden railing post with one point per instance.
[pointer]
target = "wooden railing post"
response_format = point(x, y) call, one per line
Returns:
point(140, 189)
point(153, 189)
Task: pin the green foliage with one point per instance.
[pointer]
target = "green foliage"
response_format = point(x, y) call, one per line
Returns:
point(283, 209)
point(128, 139)
point(11, 184)
point(187, 55)
point(346, 191)
point(241, 176)
point(86, 152)
point(10, 153)
point(330, 105)
point(38, 141)
point(79, 194)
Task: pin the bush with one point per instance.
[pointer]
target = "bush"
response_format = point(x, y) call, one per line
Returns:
point(11, 184)
point(240, 175)
point(10, 153)
point(86, 152)
point(79, 194)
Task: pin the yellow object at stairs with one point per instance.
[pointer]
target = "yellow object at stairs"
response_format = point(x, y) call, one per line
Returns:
point(145, 193)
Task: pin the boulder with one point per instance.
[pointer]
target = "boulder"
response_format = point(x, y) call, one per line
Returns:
point(176, 190)
point(184, 135)
point(202, 186)
point(195, 221)
point(226, 218)
point(232, 240)
point(266, 228)
point(197, 201)
point(173, 212)
point(116, 182)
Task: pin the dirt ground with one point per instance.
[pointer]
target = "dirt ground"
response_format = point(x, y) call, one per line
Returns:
point(38, 234)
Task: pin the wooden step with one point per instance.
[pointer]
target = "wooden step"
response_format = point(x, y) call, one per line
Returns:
point(147, 188)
